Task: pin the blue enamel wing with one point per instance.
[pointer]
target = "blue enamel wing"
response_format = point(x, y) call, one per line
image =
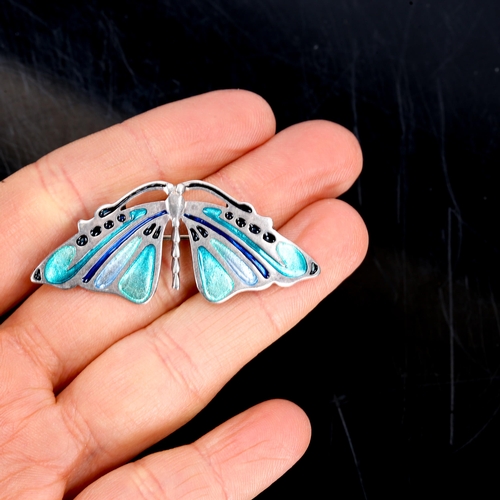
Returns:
point(119, 250)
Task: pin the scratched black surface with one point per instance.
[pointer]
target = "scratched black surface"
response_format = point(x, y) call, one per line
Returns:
point(401, 380)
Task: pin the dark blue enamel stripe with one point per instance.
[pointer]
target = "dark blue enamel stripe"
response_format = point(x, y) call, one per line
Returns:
point(262, 270)
point(105, 256)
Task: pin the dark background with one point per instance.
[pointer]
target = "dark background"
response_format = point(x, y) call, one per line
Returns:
point(405, 404)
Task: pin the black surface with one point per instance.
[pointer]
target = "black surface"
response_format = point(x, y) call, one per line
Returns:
point(402, 385)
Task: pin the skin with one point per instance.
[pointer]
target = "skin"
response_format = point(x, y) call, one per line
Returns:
point(89, 380)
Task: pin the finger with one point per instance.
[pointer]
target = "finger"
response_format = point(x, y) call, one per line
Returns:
point(279, 179)
point(306, 162)
point(41, 203)
point(238, 459)
point(151, 382)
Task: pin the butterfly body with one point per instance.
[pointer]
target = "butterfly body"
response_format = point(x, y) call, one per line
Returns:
point(119, 250)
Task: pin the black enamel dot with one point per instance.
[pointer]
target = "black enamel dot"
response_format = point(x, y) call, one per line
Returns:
point(122, 218)
point(157, 233)
point(96, 231)
point(37, 276)
point(229, 215)
point(149, 229)
point(314, 268)
point(269, 237)
point(109, 224)
point(82, 240)
point(194, 234)
point(254, 229)
point(202, 231)
point(241, 222)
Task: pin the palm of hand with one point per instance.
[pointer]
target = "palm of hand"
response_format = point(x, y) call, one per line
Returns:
point(88, 381)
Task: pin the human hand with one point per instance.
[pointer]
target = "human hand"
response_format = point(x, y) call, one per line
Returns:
point(89, 380)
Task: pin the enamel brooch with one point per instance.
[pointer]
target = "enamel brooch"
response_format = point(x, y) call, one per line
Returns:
point(119, 250)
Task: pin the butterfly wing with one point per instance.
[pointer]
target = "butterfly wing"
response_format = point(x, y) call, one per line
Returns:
point(117, 251)
point(234, 249)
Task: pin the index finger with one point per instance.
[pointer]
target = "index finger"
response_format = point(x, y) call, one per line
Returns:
point(40, 206)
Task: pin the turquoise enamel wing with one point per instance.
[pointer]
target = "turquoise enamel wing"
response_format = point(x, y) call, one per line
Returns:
point(119, 250)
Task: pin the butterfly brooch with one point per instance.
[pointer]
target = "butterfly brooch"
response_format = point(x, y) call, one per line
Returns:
point(119, 250)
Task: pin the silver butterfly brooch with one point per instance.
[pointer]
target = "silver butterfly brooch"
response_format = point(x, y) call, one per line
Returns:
point(119, 250)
